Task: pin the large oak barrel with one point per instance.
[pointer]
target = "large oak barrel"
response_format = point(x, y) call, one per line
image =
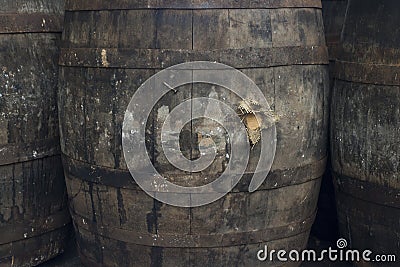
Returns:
point(366, 128)
point(110, 49)
point(34, 217)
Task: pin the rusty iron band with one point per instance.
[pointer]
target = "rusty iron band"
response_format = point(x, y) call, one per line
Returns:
point(192, 240)
point(377, 74)
point(367, 191)
point(21, 152)
point(75, 169)
point(38, 226)
point(30, 23)
point(76, 5)
point(162, 58)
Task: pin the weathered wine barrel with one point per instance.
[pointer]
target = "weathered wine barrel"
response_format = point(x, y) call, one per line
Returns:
point(366, 127)
point(34, 217)
point(110, 49)
point(325, 226)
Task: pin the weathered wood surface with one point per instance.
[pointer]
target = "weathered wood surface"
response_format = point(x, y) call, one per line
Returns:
point(34, 219)
point(366, 128)
point(191, 4)
point(106, 55)
point(333, 13)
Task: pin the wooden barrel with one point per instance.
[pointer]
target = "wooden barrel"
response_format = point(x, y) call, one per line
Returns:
point(110, 49)
point(366, 127)
point(34, 218)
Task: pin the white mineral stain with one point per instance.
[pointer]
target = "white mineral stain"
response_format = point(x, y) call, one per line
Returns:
point(104, 61)
point(162, 113)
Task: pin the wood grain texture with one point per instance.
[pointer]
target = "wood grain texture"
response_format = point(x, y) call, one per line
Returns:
point(75, 5)
point(34, 217)
point(29, 7)
point(333, 12)
point(107, 54)
point(366, 128)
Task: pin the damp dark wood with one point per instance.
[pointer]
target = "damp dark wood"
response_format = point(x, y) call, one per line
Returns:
point(34, 217)
point(366, 127)
point(333, 12)
point(116, 223)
